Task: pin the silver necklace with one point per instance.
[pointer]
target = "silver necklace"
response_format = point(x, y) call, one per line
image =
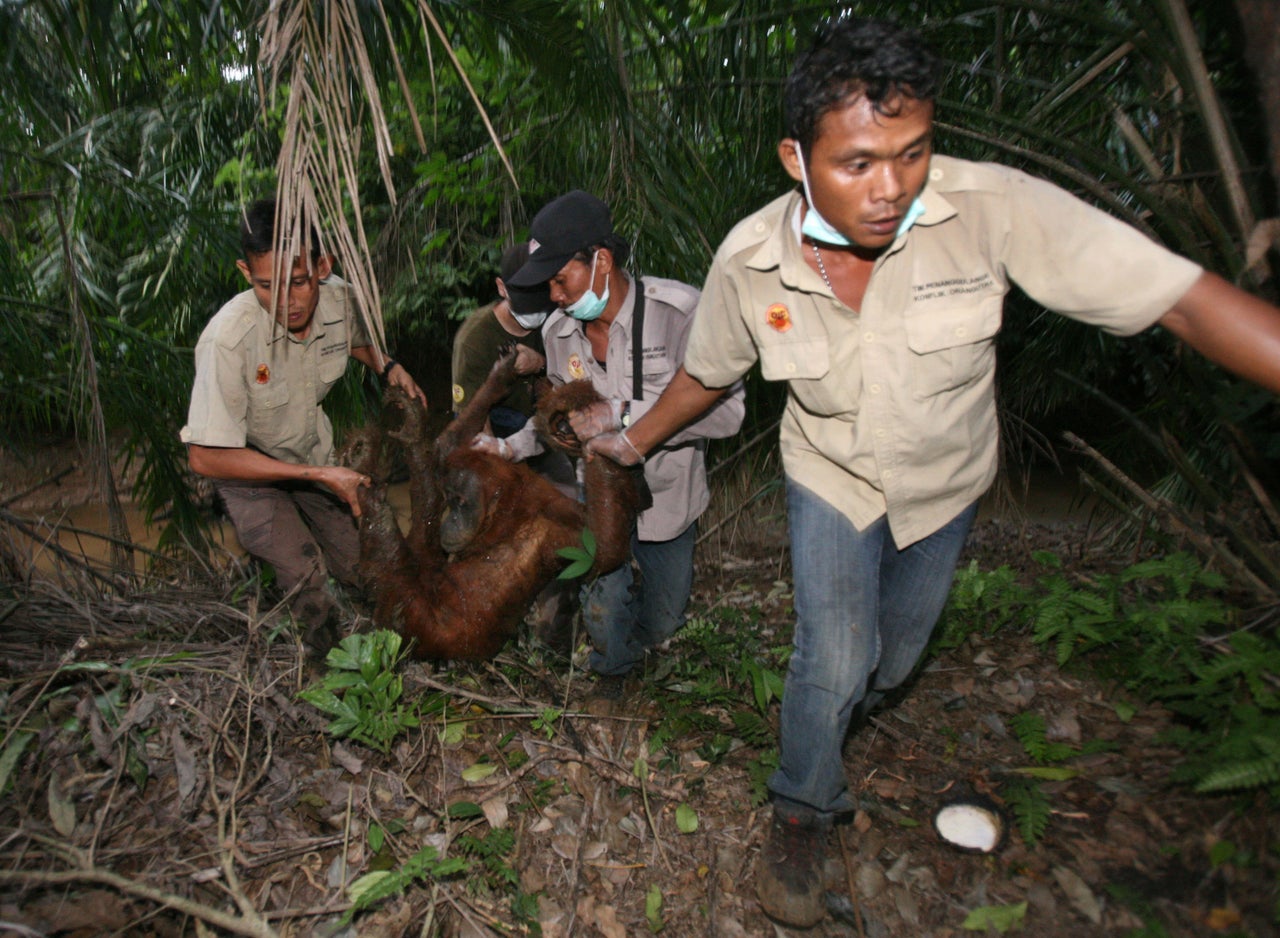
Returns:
point(822, 268)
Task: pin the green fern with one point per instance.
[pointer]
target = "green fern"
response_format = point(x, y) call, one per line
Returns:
point(980, 601)
point(1031, 732)
point(1263, 771)
point(1031, 808)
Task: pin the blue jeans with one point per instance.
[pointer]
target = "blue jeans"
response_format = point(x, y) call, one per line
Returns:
point(625, 616)
point(864, 613)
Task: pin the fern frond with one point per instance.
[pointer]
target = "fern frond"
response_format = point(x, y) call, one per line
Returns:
point(1255, 773)
point(1031, 808)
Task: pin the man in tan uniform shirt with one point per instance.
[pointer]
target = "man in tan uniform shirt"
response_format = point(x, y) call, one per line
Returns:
point(876, 292)
point(256, 427)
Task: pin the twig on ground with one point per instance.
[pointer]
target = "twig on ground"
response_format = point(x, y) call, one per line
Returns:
point(853, 886)
point(254, 927)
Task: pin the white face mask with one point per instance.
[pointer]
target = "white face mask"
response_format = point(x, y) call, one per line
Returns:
point(590, 305)
point(817, 228)
point(529, 320)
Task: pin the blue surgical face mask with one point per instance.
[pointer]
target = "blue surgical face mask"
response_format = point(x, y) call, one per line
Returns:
point(590, 305)
point(817, 228)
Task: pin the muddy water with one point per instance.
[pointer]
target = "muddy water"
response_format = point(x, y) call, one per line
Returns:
point(82, 530)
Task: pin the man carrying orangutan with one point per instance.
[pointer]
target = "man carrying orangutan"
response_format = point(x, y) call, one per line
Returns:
point(255, 425)
point(626, 336)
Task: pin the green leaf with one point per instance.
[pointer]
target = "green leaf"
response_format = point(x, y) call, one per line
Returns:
point(1050, 773)
point(372, 886)
point(1000, 917)
point(478, 772)
point(686, 819)
point(377, 837)
point(576, 569)
point(12, 753)
point(465, 809)
point(453, 734)
point(653, 908)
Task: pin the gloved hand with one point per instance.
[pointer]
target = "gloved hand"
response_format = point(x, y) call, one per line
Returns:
point(519, 446)
point(492, 444)
point(615, 446)
point(597, 418)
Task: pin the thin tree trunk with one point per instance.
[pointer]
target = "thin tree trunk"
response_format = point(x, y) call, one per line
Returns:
point(99, 447)
point(1260, 20)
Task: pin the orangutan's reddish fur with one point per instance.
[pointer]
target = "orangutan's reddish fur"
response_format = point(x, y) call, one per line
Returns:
point(503, 523)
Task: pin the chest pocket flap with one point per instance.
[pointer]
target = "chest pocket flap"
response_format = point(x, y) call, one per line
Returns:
point(953, 345)
point(934, 329)
point(795, 361)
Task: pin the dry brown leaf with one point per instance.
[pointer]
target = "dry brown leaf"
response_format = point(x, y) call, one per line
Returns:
point(1079, 894)
point(184, 763)
point(62, 811)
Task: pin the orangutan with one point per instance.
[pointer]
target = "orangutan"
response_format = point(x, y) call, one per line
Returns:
point(484, 532)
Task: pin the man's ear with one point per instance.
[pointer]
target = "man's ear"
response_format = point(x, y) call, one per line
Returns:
point(324, 266)
point(789, 154)
point(502, 287)
point(243, 267)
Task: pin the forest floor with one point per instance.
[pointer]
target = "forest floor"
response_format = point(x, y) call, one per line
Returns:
point(161, 776)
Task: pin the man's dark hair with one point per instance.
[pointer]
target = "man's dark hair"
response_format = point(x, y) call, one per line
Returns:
point(618, 246)
point(877, 59)
point(258, 230)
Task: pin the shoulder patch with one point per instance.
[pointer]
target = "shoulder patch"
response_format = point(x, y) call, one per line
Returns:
point(458, 394)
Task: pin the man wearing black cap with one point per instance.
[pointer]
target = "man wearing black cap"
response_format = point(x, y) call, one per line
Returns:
point(627, 336)
point(516, 316)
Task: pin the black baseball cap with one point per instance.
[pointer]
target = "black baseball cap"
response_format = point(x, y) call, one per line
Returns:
point(563, 227)
point(525, 301)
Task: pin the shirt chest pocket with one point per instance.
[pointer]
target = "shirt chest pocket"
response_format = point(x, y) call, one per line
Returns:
point(267, 404)
point(330, 367)
point(806, 367)
point(655, 367)
point(952, 346)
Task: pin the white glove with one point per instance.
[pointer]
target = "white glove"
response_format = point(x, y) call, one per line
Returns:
point(492, 444)
point(517, 447)
point(597, 418)
point(617, 447)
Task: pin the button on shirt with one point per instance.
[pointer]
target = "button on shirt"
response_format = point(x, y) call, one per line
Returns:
point(258, 386)
point(891, 409)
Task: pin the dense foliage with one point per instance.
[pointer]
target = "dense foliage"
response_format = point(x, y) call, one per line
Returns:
point(131, 133)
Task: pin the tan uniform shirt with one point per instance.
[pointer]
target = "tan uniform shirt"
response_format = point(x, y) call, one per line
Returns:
point(676, 472)
point(892, 409)
point(260, 387)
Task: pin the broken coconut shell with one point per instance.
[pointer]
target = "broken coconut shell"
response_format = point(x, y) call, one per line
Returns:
point(972, 824)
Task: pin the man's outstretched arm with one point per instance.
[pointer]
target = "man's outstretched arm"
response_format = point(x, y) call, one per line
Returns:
point(1229, 326)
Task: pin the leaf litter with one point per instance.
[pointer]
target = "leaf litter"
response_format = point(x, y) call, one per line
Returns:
point(174, 784)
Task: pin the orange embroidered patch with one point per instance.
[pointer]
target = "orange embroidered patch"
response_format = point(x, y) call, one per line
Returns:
point(778, 317)
point(264, 374)
point(577, 371)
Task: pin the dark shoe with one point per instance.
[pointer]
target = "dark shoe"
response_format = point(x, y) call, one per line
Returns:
point(609, 687)
point(320, 636)
point(789, 879)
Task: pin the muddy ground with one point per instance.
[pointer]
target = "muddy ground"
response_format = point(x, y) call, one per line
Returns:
point(163, 778)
